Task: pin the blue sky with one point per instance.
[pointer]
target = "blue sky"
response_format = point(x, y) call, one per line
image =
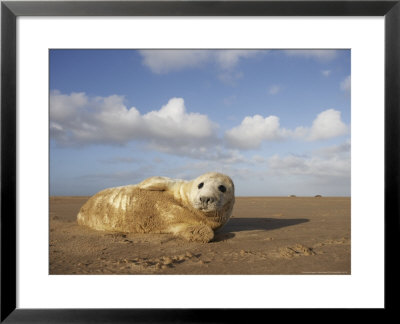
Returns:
point(276, 121)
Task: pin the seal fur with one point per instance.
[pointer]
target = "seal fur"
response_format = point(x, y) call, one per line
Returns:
point(188, 209)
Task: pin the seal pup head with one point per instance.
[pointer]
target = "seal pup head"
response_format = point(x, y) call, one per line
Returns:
point(212, 192)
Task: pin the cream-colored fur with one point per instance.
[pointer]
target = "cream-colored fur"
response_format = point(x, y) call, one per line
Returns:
point(189, 209)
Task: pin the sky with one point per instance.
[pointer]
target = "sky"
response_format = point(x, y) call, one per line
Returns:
point(276, 121)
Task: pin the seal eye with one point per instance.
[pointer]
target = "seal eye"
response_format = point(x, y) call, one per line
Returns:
point(200, 185)
point(222, 188)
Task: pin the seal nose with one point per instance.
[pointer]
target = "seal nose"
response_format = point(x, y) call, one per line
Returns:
point(207, 200)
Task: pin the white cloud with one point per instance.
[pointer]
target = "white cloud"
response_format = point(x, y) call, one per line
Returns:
point(211, 151)
point(253, 131)
point(328, 124)
point(164, 61)
point(78, 119)
point(120, 159)
point(300, 132)
point(228, 59)
point(320, 55)
point(326, 172)
point(326, 73)
point(172, 122)
point(58, 107)
point(272, 90)
point(345, 85)
point(335, 150)
point(310, 166)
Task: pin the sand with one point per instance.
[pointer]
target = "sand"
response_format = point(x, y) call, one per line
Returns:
point(266, 235)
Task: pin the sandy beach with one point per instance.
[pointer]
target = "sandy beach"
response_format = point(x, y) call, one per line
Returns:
point(266, 235)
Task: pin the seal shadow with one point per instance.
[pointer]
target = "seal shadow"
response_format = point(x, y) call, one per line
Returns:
point(235, 225)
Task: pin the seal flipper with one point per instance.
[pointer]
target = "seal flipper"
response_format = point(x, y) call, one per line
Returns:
point(193, 233)
point(157, 183)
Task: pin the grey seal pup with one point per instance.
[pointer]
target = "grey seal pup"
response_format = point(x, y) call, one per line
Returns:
point(188, 209)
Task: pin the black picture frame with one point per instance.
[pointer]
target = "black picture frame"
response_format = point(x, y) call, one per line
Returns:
point(10, 10)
